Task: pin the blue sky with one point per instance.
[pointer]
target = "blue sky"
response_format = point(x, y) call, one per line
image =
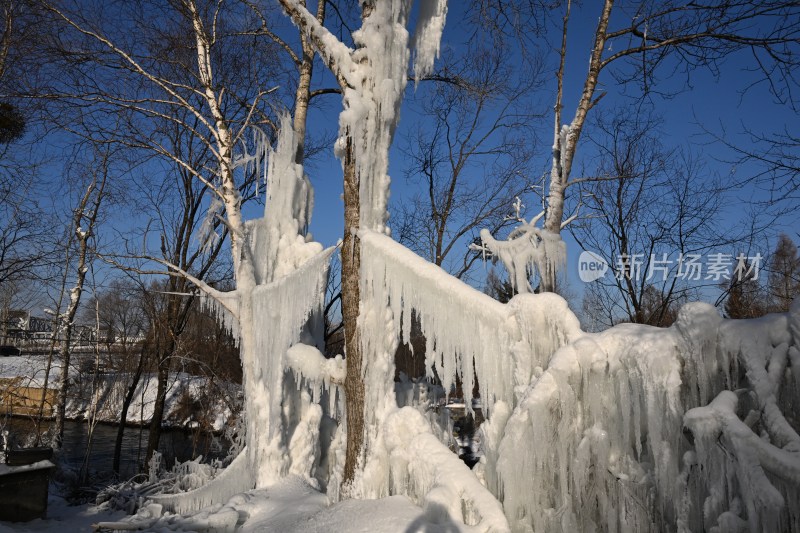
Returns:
point(717, 104)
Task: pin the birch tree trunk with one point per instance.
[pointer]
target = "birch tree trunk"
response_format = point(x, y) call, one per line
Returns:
point(91, 198)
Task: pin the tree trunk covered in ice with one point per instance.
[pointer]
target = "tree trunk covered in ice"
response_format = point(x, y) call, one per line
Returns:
point(351, 263)
point(372, 77)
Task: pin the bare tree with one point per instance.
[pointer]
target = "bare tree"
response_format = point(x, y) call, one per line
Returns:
point(123, 325)
point(468, 156)
point(85, 218)
point(650, 211)
point(23, 224)
point(776, 157)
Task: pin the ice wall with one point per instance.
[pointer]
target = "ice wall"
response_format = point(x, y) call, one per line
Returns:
point(618, 433)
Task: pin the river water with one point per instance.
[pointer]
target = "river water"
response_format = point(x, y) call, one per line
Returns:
point(175, 444)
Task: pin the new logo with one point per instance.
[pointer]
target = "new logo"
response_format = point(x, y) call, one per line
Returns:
point(591, 266)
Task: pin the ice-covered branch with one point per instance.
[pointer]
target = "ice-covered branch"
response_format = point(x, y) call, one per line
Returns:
point(223, 298)
point(495, 344)
point(334, 53)
point(527, 249)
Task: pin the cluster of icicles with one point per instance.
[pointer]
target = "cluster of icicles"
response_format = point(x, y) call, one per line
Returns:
point(633, 429)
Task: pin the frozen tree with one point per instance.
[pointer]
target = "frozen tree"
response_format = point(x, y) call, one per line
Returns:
point(372, 77)
point(202, 81)
point(634, 428)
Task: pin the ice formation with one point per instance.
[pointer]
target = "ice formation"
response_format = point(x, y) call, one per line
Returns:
point(282, 309)
point(234, 479)
point(468, 334)
point(585, 430)
point(609, 410)
point(469, 337)
point(434, 477)
point(280, 286)
point(320, 375)
point(528, 249)
point(428, 36)
point(376, 73)
point(278, 241)
point(633, 429)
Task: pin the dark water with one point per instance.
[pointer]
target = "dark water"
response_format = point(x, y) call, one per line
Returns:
point(175, 444)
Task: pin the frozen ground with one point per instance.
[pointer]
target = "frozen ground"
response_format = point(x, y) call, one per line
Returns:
point(291, 506)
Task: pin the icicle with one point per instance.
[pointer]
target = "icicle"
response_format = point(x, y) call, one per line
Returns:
point(206, 234)
point(219, 311)
point(284, 306)
point(428, 36)
point(487, 334)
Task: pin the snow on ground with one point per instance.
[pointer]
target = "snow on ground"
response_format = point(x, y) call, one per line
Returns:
point(32, 368)
point(113, 386)
point(64, 517)
point(291, 506)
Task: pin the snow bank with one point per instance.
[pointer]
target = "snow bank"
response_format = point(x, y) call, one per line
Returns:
point(289, 506)
point(32, 370)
